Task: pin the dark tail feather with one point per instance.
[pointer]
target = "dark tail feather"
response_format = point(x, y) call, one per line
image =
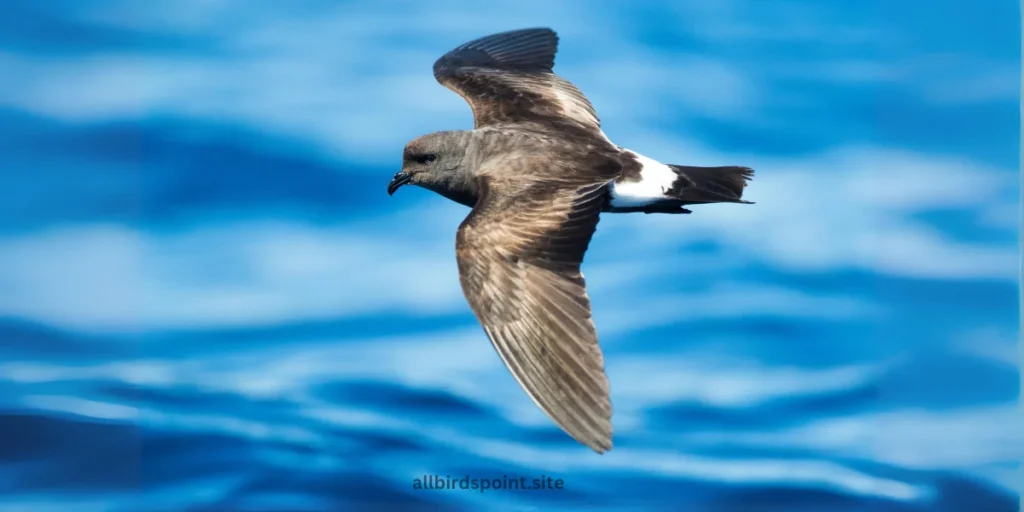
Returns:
point(699, 185)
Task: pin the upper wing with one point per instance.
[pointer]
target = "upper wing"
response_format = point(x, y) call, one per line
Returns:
point(519, 264)
point(507, 78)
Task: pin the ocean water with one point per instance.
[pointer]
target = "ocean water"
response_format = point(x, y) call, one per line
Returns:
point(209, 302)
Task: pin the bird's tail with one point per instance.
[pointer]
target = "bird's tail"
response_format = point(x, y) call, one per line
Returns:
point(701, 185)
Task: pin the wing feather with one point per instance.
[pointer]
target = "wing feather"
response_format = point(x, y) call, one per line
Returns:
point(519, 262)
point(508, 78)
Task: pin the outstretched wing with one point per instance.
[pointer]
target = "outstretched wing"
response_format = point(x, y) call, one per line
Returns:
point(519, 259)
point(507, 78)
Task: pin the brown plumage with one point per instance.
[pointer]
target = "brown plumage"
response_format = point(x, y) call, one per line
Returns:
point(538, 171)
point(507, 79)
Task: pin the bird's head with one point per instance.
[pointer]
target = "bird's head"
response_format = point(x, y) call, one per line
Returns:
point(434, 162)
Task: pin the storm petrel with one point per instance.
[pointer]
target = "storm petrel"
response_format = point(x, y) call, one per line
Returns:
point(537, 171)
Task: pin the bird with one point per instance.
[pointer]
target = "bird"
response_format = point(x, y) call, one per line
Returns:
point(537, 171)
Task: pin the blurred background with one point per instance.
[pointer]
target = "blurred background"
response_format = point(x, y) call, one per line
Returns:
point(209, 302)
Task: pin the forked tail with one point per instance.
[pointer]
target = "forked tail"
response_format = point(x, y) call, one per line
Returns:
point(702, 185)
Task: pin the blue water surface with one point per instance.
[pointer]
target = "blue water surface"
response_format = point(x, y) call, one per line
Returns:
point(209, 302)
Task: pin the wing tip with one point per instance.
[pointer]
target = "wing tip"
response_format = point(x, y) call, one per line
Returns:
point(598, 439)
point(526, 48)
point(601, 446)
point(538, 31)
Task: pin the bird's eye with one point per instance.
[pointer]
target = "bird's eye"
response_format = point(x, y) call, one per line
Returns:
point(425, 158)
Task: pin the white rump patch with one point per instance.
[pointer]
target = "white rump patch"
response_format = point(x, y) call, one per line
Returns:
point(655, 179)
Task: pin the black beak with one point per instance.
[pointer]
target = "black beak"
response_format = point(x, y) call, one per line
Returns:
point(400, 179)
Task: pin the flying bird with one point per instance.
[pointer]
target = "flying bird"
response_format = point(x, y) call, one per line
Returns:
point(538, 171)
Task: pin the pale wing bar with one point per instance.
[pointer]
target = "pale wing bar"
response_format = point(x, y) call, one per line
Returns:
point(508, 78)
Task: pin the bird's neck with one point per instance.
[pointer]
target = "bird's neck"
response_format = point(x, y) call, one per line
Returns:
point(460, 187)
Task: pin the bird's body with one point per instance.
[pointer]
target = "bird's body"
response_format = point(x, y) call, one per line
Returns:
point(537, 171)
point(641, 184)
